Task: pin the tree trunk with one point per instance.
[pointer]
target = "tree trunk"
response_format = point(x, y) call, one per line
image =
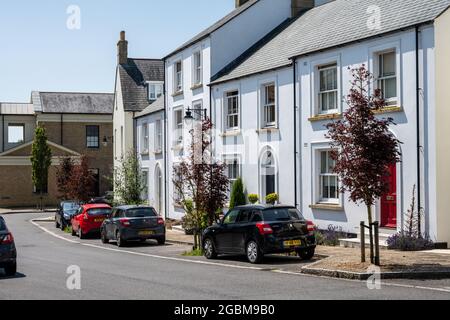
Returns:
point(369, 213)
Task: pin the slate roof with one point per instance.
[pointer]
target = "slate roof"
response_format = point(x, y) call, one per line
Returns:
point(73, 102)
point(333, 24)
point(156, 106)
point(133, 78)
point(208, 31)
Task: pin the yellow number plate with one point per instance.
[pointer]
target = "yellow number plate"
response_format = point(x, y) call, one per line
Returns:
point(99, 220)
point(292, 243)
point(146, 233)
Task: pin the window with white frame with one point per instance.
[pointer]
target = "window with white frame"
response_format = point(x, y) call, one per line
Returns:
point(145, 191)
point(155, 90)
point(16, 133)
point(233, 170)
point(197, 105)
point(197, 68)
point(177, 193)
point(158, 136)
point(328, 88)
point(144, 138)
point(387, 76)
point(232, 110)
point(328, 180)
point(178, 126)
point(178, 77)
point(269, 105)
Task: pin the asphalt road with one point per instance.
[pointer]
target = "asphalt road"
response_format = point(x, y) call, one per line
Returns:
point(160, 272)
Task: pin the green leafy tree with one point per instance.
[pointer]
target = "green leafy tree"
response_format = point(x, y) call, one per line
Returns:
point(41, 160)
point(81, 183)
point(253, 198)
point(128, 181)
point(237, 194)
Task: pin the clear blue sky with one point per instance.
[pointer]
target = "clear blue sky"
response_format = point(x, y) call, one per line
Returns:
point(39, 52)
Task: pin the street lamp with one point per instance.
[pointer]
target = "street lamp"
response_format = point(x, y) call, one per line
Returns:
point(196, 111)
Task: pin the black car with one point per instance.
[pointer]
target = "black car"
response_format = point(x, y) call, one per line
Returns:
point(66, 210)
point(133, 223)
point(257, 230)
point(8, 253)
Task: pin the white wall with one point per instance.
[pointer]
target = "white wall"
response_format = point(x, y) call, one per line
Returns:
point(153, 159)
point(405, 130)
point(249, 143)
point(230, 41)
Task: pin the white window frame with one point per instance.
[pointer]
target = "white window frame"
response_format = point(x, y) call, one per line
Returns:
point(178, 127)
point(374, 51)
point(197, 70)
point(178, 77)
point(326, 93)
point(197, 105)
point(177, 196)
point(145, 141)
point(146, 192)
point(231, 160)
point(226, 114)
point(326, 60)
point(265, 105)
point(158, 136)
point(155, 85)
point(379, 78)
point(326, 175)
point(16, 125)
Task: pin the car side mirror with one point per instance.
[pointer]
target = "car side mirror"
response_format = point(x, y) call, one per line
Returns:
point(219, 222)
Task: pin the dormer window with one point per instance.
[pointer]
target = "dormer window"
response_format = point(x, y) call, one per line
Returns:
point(155, 90)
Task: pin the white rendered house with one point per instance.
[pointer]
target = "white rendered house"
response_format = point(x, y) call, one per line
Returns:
point(276, 99)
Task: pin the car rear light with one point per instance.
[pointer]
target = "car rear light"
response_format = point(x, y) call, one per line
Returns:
point(8, 239)
point(311, 227)
point(160, 221)
point(125, 222)
point(264, 228)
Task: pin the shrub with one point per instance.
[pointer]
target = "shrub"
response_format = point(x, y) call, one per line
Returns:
point(272, 198)
point(406, 242)
point(330, 237)
point(253, 198)
point(237, 194)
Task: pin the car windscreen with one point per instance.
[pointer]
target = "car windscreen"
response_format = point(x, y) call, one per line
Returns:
point(70, 206)
point(141, 213)
point(2, 225)
point(99, 212)
point(282, 214)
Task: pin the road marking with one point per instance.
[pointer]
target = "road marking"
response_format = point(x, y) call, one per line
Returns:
point(229, 265)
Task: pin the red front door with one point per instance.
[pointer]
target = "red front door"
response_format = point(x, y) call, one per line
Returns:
point(389, 200)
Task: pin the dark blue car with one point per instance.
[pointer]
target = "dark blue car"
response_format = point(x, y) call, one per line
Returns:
point(133, 223)
point(8, 254)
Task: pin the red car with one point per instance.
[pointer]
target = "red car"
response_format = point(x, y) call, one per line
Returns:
point(89, 219)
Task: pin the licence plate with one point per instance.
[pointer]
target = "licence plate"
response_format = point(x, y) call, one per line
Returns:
point(292, 243)
point(146, 233)
point(99, 220)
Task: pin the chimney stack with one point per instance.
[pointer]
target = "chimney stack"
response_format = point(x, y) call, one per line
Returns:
point(122, 49)
point(240, 3)
point(301, 6)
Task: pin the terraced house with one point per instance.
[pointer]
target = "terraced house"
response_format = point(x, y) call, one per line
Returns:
point(76, 124)
point(272, 104)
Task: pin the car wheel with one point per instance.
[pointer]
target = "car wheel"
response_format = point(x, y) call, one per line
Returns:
point(104, 237)
point(254, 254)
point(120, 242)
point(11, 269)
point(81, 234)
point(73, 232)
point(306, 254)
point(209, 249)
point(162, 241)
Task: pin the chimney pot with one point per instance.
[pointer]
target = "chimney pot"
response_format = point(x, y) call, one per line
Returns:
point(240, 3)
point(300, 6)
point(122, 49)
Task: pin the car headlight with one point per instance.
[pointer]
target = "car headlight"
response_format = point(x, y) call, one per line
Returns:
point(66, 216)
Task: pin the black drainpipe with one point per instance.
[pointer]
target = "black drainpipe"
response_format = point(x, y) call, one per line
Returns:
point(165, 152)
point(294, 63)
point(62, 129)
point(3, 133)
point(419, 187)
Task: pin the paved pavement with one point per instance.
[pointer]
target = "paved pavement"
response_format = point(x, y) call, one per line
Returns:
point(161, 272)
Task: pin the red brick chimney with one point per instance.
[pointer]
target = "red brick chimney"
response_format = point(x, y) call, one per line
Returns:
point(122, 49)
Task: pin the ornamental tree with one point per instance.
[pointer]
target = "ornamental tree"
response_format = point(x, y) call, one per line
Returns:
point(41, 160)
point(81, 182)
point(128, 181)
point(237, 197)
point(364, 147)
point(64, 174)
point(199, 179)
